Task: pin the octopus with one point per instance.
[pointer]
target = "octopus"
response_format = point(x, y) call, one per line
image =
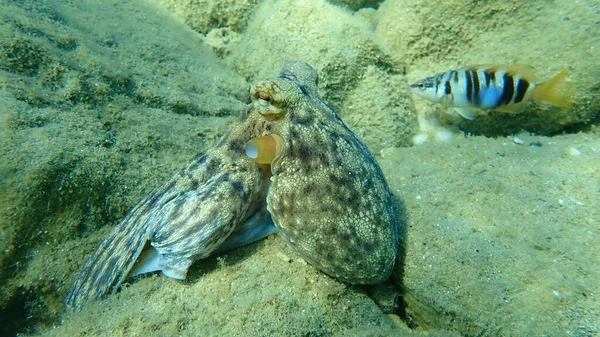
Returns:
point(288, 165)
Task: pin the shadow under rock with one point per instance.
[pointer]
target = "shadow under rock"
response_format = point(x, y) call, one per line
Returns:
point(389, 295)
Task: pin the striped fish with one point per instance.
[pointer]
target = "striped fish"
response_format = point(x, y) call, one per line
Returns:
point(502, 88)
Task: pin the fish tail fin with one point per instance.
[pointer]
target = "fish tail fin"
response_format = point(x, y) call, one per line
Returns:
point(104, 271)
point(558, 90)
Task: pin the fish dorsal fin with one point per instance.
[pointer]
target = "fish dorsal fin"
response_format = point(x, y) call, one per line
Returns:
point(522, 70)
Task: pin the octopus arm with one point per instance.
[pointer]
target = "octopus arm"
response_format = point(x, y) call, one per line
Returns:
point(184, 220)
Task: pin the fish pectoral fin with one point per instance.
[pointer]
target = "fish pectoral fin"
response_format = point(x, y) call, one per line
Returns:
point(466, 113)
point(446, 100)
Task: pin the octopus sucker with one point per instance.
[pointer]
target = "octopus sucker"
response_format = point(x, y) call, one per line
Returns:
point(289, 165)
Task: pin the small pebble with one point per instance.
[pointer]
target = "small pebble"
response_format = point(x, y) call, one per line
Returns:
point(574, 152)
point(284, 257)
point(518, 140)
point(443, 135)
point(420, 139)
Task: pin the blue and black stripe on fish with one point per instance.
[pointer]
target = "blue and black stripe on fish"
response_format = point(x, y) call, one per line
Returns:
point(502, 88)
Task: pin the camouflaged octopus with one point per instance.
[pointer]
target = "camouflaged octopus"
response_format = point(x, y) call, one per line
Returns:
point(288, 165)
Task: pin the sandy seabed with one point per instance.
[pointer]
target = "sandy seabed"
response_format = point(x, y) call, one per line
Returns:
point(102, 101)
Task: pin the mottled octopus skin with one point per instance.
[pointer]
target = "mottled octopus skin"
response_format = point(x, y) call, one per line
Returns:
point(326, 195)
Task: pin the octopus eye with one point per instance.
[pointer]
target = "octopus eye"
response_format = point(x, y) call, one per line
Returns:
point(268, 101)
point(421, 85)
point(263, 95)
point(263, 98)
